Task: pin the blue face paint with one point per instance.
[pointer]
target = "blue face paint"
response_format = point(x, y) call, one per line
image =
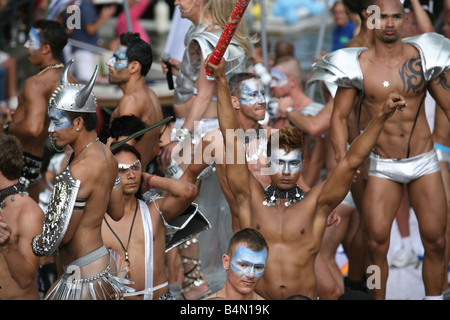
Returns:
point(284, 162)
point(33, 42)
point(119, 59)
point(279, 79)
point(58, 120)
point(252, 92)
point(249, 263)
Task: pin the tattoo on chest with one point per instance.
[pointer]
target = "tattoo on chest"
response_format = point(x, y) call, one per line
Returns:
point(412, 75)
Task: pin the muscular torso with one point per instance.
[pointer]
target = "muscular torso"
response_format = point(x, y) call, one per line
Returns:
point(136, 248)
point(405, 76)
point(294, 235)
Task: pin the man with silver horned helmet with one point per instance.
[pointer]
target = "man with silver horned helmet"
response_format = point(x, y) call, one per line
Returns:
point(83, 192)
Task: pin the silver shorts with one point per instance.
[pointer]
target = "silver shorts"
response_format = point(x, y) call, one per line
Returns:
point(443, 153)
point(404, 170)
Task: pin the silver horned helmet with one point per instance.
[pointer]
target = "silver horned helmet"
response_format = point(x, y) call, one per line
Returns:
point(74, 97)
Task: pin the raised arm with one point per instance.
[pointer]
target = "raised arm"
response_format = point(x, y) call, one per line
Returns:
point(237, 172)
point(180, 195)
point(338, 184)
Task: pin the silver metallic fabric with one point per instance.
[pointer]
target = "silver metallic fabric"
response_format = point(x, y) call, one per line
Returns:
point(101, 286)
point(190, 64)
point(404, 170)
point(74, 97)
point(58, 213)
point(434, 51)
point(341, 68)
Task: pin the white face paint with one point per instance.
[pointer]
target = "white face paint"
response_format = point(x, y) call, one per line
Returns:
point(249, 263)
point(252, 92)
point(33, 43)
point(284, 162)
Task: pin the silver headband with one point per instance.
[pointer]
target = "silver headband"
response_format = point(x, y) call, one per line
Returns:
point(74, 97)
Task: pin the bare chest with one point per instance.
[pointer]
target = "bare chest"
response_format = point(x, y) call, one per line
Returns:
point(405, 77)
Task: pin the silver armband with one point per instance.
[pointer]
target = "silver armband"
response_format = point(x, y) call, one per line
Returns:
point(36, 248)
point(117, 182)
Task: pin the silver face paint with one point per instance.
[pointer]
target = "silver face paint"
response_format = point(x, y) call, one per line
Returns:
point(252, 92)
point(283, 162)
point(119, 59)
point(33, 43)
point(249, 263)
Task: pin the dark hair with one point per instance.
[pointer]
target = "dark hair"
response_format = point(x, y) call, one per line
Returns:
point(10, 157)
point(126, 126)
point(127, 148)
point(137, 50)
point(289, 138)
point(358, 6)
point(53, 34)
point(236, 80)
point(90, 118)
point(252, 238)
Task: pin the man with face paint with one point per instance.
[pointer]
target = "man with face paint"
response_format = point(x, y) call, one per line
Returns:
point(128, 68)
point(29, 123)
point(244, 263)
point(404, 153)
point(249, 102)
point(140, 236)
point(292, 221)
point(87, 187)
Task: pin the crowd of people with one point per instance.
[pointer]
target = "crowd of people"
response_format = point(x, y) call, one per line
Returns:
point(231, 199)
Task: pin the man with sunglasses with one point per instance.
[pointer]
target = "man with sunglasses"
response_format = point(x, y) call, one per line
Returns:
point(138, 240)
point(128, 68)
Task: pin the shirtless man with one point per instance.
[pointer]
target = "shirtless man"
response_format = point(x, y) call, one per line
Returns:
point(128, 68)
point(294, 239)
point(82, 193)
point(248, 98)
point(140, 236)
point(30, 121)
point(244, 263)
point(21, 220)
point(395, 65)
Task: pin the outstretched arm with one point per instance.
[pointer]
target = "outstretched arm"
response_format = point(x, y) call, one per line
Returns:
point(338, 184)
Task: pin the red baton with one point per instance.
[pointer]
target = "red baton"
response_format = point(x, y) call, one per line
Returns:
point(227, 34)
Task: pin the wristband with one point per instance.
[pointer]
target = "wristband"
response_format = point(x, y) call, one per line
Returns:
point(288, 110)
point(149, 184)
